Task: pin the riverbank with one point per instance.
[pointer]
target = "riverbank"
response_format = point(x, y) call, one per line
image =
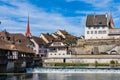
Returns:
point(112, 64)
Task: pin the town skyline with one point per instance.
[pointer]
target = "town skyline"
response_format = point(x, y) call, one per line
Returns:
point(51, 15)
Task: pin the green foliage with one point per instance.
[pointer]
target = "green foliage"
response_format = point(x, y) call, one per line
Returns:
point(85, 43)
point(112, 62)
point(103, 53)
point(71, 64)
point(116, 62)
point(96, 63)
point(102, 64)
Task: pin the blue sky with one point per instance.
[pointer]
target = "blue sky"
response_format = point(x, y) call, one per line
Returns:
point(47, 16)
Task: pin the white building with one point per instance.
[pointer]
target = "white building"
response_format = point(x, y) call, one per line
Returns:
point(58, 49)
point(39, 46)
point(101, 27)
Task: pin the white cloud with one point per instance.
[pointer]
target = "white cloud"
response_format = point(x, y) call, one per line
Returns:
point(14, 19)
point(98, 3)
point(95, 3)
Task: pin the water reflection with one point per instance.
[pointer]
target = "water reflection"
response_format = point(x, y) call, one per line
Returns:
point(61, 76)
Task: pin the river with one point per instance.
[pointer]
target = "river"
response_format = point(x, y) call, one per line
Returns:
point(64, 74)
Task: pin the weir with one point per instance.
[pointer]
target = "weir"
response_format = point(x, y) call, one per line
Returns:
point(73, 70)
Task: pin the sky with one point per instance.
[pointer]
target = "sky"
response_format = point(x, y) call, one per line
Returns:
point(47, 16)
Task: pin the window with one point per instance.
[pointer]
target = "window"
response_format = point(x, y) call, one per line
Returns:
point(8, 38)
point(40, 46)
point(61, 48)
point(100, 32)
point(95, 32)
point(45, 51)
point(39, 51)
point(103, 27)
point(98, 27)
point(91, 32)
point(89, 27)
point(19, 41)
point(104, 32)
point(87, 32)
point(57, 43)
point(52, 49)
point(95, 27)
point(100, 22)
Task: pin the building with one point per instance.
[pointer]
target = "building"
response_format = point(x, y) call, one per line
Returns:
point(101, 27)
point(39, 46)
point(14, 57)
point(58, 49)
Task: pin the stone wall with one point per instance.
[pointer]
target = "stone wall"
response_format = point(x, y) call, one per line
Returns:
point(87, 46)
point(83, 60)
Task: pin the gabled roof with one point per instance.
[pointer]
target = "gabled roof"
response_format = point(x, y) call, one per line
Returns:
point(63, 32)
point(4, 45)
point(19, 47)
point(23, 48)
point(48, 37)
point(96, 20)
point(38, 40)
point(14, 37)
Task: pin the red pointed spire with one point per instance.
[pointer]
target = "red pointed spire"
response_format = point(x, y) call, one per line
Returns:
point(28, 34)
point(111, 23)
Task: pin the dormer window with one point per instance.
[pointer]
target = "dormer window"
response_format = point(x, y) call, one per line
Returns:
point(19, 41)
point(100, 22)
point(8, 38)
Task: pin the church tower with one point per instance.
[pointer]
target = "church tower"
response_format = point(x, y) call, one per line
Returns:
point(28, 34)
point(111, 23)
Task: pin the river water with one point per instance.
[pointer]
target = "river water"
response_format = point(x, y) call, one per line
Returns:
point(64, 74)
